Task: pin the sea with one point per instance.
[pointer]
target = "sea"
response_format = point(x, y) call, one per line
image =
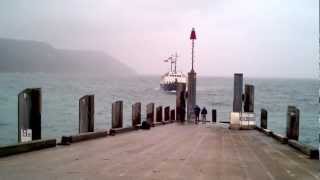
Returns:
point(61, 94)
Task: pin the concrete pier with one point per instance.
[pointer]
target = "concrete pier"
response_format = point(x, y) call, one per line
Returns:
point(172, 151)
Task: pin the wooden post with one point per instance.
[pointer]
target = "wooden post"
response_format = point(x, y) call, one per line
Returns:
point(117, 114)
point(173, 115)
point(29, 115)
point(214, 115)
point(167, 113)
point(293, 123)
point(150, 113)
point(237, 92)
point(249, 98)
point(181, 102)
point(86, 114)
point(159, 114)
point(264, 119)
point(136, 114)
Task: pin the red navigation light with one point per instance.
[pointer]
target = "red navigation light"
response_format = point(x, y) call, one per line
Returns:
point(193, 34)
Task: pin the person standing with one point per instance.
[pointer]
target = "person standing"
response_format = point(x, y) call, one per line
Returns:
point(197, 110)
point(204, 114)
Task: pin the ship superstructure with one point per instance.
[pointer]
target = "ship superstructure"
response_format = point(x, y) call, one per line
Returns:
point(170, 79)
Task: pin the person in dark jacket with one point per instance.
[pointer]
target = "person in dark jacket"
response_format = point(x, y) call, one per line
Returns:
point(197, 110)
point(204, 114)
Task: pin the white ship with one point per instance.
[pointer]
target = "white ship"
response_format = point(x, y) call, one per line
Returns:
point(170, 79)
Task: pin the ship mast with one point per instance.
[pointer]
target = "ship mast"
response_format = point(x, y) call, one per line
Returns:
point(175, 62)
point(171, 66)
point(170, 63)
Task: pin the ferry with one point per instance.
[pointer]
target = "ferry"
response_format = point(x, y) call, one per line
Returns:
point(170, 79)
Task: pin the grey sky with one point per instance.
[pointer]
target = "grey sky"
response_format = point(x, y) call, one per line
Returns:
point(262, 38)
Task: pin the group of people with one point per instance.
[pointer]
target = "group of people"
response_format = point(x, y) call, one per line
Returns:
point(197, 112)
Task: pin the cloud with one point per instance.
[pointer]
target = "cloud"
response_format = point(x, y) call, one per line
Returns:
point(257, 37)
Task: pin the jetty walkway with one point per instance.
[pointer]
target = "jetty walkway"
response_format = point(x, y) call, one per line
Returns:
point(173, 151)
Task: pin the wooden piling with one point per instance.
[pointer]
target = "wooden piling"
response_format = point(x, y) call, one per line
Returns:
point(150, 113)
point(159, 114)
point(293, 115)
point(86, 114)
point(29, 115)
point(214, 115)
point(136, 114)
point(181, 102)
point(264, 119)
point(237, 92)
point(249, 98)
point(167, 113)
point(173, 115)
point(117, 114)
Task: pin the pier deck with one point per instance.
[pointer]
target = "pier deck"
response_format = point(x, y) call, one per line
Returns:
point(174, 151)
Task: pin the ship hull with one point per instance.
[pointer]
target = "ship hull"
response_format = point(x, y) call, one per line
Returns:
point(169, 87)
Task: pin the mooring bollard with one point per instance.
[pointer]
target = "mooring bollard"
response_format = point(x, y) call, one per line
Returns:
point(214, 115)
point(150, 113)
point(293, 123)
point(264, 119)
point(159, 114)
point(86, 114)
point(249, 98)
point(181, 102)
point(117, 114)
point(29, 115)
point(237, 92)
point(136, 114)
point(173, 115)
point(167, 113)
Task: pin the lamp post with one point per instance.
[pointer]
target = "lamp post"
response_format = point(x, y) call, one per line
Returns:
point(191, 81)
point(193, 37)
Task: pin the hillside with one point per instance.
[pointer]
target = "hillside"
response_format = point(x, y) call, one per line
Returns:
point(32, 56)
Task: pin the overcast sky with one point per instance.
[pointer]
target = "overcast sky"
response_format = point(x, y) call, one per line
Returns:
point(261, 38)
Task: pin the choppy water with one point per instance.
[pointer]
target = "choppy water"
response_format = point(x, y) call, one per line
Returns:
point(61, 94)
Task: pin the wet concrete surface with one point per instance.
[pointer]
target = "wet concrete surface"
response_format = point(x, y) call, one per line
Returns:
point(172, 151)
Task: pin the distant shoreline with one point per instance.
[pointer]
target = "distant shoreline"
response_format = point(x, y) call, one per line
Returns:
point(156, 75)
point(248, 77)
